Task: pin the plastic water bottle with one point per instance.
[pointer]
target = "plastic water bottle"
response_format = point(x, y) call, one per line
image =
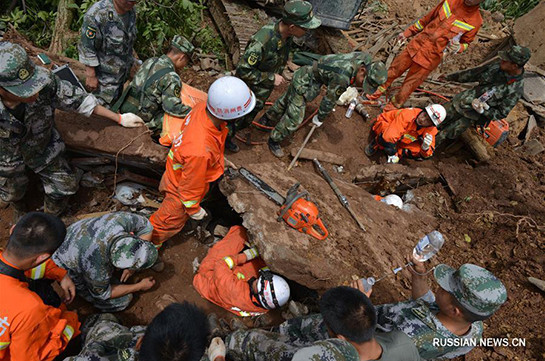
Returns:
point(428, 246)
point(351, 108)
point(367, 283)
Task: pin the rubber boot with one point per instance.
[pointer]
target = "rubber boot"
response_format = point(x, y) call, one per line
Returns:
point(55, 206)
point(231, 146)
point(264, 124)
point(275, 148)
point(371, 148)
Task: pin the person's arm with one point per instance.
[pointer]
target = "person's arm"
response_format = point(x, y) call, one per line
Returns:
point(247, 67)
point(90, 41)
point(393, 132)
point(470, 75)
point(122, 290)
point(336, 87)
point(426, 150)
point(506, 103)
point(468, 38)
point(421, 23)
point(232, 289)
point(50, 270)
point(192, 183)
point(170, 97)
point(420, 285)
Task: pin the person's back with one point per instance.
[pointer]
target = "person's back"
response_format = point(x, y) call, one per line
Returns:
point(29, 329)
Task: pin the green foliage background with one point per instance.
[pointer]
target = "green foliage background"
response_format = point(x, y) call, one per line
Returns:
point(157, 22)
point(510, 8)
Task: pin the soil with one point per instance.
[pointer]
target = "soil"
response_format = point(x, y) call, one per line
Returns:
point(528, 31)
point(492, 214)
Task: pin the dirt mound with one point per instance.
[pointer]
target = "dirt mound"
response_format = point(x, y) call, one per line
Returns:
point(529, 31)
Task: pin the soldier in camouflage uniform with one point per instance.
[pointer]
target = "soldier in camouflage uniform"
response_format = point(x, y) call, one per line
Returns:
point(337, 72)
point(155, 89)
point(179, 332)
point(266, 55)
point(29, 95)
point(107, 34)
point(95, 248)
point(502, 80)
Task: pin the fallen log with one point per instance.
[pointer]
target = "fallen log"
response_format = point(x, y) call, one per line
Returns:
point(476, 145)
point(394, 177)
point(310, 154)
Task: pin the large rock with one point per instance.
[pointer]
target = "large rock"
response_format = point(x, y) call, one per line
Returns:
point(391, 233)
point(529, 31)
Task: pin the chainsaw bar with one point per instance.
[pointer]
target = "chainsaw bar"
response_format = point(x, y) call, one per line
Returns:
point(262, 186)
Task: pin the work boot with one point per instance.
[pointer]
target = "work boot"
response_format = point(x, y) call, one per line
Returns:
point(264, 124)
point(371, 149)
point(55, 206)
point(231, 146)
point(275, 148)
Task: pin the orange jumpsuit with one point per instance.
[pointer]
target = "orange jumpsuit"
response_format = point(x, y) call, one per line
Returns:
point(194, 161)
point(432, 33)
point(224, 275)
point(29, 329)
point(397, 130)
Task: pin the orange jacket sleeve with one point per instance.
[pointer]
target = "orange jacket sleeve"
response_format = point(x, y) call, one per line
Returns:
point(235, 291)
point(428, 153)
point(43, 334)
point(192, 184)
point(47, 269)
point(396, 126)
point(420, 24)
point(468, 38)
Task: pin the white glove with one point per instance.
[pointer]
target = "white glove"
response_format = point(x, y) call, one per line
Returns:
point(251, 253)
point(317, 121)
point(199, 215)
point(479, 106)
point(428, 138)
point(393, 159)
point(130, 120)
point(216, 348)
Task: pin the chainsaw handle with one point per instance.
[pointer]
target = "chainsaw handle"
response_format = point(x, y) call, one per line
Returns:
point(321, 234)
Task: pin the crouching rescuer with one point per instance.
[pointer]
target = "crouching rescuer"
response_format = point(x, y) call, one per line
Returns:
point(233, 276)
point(408, 132)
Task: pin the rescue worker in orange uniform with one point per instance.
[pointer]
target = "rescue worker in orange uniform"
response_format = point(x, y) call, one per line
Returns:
point(447, 29)
point(196, 157)
point(233, 276)
point(31, 330)
point(408, 132)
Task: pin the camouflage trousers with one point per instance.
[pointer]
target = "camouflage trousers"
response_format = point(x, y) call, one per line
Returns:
point(261, 95)
point(106, 339)
point(289, 110)
point(303, 331)
point(108, 90)
point(454, 125)
point(58, 178)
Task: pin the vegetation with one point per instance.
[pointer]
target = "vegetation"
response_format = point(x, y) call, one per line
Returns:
point(510, 8)
point(158, 21)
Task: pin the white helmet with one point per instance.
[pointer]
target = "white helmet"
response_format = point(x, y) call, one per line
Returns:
point(273, 291)
point(393, 200)
point(230, 98)
point(437, 113)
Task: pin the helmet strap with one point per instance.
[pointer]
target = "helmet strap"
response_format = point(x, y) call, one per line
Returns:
point(267, 275)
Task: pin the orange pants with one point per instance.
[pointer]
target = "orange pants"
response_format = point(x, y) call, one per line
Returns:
point(169, 219)
point(416, 75)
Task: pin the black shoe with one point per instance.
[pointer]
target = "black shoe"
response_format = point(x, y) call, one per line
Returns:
point(370, 149)
point(264, 124)
point(231, 146)
point(275, 148)
point(55, 206)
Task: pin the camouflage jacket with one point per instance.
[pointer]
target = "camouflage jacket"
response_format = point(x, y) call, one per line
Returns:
point(105, 339)
point(162, 96)
point(416, 318)
point(333, 349)
point(336, 71)
point(265, 55)
point(34, 136)
point(508, 91)
point(107, 40)
point(85, 252)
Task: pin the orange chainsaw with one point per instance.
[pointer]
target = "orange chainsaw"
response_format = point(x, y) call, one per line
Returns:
point(296, 210)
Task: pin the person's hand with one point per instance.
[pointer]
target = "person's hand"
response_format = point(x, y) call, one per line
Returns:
point(146, 284)
point(130, 120)
point(69, 289)
point(216, 350)
point(359, 286)
point(317, 121)
point(251, 253)
point(417, 266)
point(452, 48)
point(201, 213)
point(478, 106)
point(91, 83)
point(229, 164)
point(126, 275)
point(426, 143)
point(393, 159)
point(278, 80)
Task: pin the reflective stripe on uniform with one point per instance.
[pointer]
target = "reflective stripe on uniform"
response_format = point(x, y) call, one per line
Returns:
point(68, 332)
point(464, 46)
point(245, 313)
point(462, 25)
point(418, 25)
point(229, 261)
point(176, 166)
point(240, 276)
point(38, 272)
point(189, 204)
point(410, 137)
point(171, 154)
point(446, 9)
point(4, 345)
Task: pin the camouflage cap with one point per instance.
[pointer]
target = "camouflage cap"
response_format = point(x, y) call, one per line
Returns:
point(298, 12)
point(376, 76)
point(517, 54)
point(133, 253)
point(18, 74)
point(476, 288)
point(182, 44)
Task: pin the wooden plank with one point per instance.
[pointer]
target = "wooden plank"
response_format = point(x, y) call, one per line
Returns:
point(353, 43)
point(320, 155)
